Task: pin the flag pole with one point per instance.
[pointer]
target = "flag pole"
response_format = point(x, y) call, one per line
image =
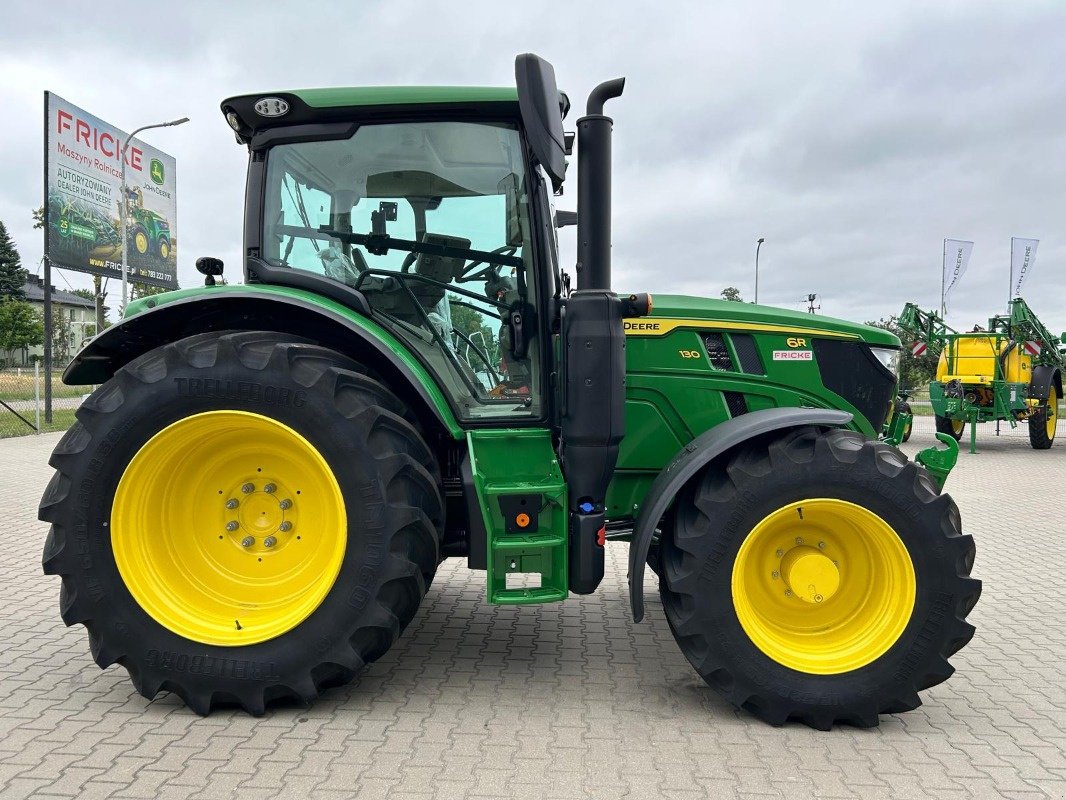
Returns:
point(1010, 283)
point(943, 277)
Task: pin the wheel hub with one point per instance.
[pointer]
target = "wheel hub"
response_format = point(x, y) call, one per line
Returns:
point(261, 509)
point(810, 574)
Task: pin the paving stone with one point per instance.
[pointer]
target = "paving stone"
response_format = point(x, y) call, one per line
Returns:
point(571, 700)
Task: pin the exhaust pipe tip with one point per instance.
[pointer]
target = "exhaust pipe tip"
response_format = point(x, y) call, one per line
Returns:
point(601, 94)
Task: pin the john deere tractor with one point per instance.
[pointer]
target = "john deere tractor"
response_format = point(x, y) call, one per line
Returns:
point(255, 501)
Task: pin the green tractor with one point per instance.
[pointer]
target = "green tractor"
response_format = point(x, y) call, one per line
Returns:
point(147, 233)
point(255, 501)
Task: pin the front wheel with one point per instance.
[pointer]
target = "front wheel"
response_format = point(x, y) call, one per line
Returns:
point(905, 408)
point(240, 518)
point(820, 577)
point(952, 427)
point(1042, 422)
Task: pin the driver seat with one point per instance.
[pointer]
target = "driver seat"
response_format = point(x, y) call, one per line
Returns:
point(443, 269)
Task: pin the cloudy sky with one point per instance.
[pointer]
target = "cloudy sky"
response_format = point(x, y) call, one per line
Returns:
point(854, 137)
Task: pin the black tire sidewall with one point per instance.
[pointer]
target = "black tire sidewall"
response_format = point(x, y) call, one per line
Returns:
point(892, 499)
point(271, 392)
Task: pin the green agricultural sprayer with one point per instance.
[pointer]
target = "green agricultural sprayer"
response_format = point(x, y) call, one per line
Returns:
point(255, 501)
point(1010, 371)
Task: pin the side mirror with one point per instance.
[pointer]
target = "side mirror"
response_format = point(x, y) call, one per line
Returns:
point(209, 266)
point(564, 219)
point(542, 106)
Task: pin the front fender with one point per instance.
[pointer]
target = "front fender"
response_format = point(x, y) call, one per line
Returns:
point(1044, 377)
point(696, 455)
point(177, 315)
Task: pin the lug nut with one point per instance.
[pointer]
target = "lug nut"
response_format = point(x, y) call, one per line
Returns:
point(285, 526)
point(285, 505)
point(232, 504)
point(270, 541)
point(232, 525)
point(788, 593)
point(270, 488)
point(821, 545)
point(775, 574)
point(247, 541)
point(248, 488)
point(780, 553)
point(799, 540)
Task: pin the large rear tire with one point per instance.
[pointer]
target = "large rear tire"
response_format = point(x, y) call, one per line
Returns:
point(1043, 421)
point(240, 518)
point(819, 577)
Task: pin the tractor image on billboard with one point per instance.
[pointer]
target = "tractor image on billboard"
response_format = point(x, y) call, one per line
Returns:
point(147, 233)
point(256, 499)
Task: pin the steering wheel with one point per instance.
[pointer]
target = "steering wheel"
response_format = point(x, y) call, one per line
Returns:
point(469, 275)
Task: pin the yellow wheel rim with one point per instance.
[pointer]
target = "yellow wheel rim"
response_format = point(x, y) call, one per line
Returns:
point(140, 241)
point(823, 586)
point(164, 250)
point(228, 528)
point(1051, 414)
point(958, 426)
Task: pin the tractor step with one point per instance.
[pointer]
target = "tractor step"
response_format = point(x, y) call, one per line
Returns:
point(523, 501)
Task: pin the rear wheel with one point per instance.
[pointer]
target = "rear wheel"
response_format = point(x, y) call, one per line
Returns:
point(819, 577)
point(952, 427)
point(1043, 421)
point(239, 518)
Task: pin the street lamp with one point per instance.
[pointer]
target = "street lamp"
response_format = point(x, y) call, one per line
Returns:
point(123, 208)
point(757, 246)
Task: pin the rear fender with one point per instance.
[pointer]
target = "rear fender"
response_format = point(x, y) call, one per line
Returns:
point(691, 460)
point(264, 308)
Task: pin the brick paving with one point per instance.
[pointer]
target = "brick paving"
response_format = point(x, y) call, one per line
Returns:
point(571, 700)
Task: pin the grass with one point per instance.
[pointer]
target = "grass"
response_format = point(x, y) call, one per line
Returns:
point(20, 387)
point(10, 425)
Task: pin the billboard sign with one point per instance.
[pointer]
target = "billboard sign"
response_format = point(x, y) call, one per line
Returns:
point(84, 203)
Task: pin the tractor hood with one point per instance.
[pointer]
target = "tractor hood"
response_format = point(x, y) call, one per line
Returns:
point(670, 308)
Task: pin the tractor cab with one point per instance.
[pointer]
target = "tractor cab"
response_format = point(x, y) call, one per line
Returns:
point(423, 205)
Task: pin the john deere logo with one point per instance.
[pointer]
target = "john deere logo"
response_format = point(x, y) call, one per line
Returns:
point(157, 172)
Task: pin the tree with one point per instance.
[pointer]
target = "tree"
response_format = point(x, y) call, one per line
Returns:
point(139, 290)
point(471, 324)
point(62, 332)
point(913, 372)
point(732, 293)
point(20, 325)
point(12, 275)
point(38, 218)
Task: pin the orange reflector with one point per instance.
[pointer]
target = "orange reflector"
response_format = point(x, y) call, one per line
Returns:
point(522, 520)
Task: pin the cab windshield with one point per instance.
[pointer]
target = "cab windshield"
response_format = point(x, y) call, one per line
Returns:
point(430, 221)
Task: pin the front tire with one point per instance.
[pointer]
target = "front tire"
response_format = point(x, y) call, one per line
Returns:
point(952, 427)
point(1043, 421)
point(179, 472)
point(818, 577)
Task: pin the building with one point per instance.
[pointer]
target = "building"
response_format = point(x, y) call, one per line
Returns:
point(75, 321)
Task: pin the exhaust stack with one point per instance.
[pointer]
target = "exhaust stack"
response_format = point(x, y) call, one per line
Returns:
point(594, 189)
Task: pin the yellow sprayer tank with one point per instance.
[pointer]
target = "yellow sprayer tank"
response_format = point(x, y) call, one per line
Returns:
point(971, 359)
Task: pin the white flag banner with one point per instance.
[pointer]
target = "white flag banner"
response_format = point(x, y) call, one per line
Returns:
point(956, 258)
point(1022, 259)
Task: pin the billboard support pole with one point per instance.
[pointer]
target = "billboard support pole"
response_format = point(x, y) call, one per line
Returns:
point(123, 203)
point(47, 284)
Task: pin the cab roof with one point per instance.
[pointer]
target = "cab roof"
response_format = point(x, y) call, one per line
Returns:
point(303, 106)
